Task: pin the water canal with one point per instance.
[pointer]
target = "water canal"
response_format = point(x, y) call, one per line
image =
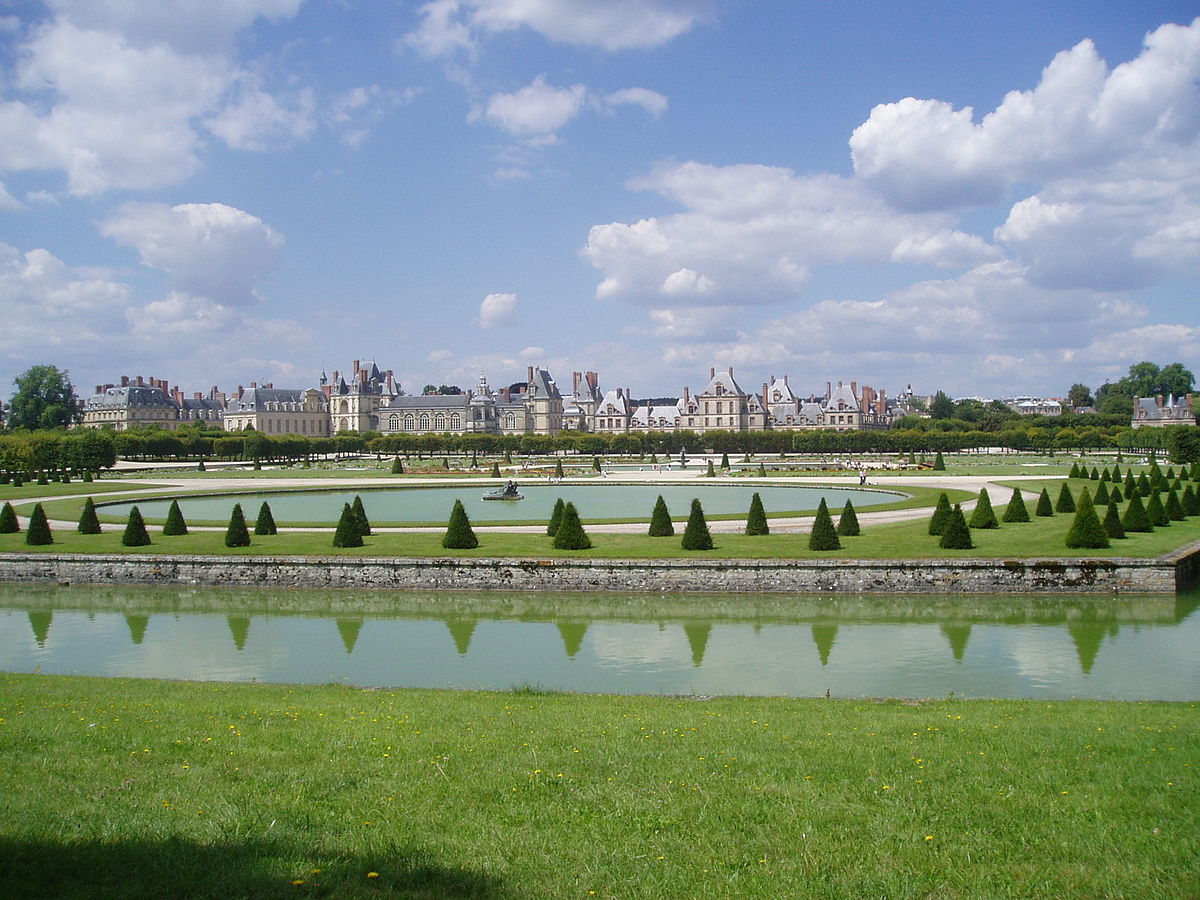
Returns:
point(902, 646)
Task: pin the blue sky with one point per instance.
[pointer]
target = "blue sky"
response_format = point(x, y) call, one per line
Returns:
point(987, 199)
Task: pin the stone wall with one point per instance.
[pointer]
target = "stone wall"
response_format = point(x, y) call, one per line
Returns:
point(1109, 576)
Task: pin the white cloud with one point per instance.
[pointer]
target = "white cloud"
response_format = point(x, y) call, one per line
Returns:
point(687, 282)
point(210, 251)
point(253, 119)
point(436, 356)
point(357, 111)
point(8, 202)
point(651, 101)
point(497, 309)
point(533, 353)
point(536, 110)
point(186, 24)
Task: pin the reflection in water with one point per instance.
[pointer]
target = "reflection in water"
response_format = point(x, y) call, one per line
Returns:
point(678, 644)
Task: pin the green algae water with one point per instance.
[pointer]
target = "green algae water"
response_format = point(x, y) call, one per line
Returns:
point(1126, 648)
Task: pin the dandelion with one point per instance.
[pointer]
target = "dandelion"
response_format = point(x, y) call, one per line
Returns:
point(372, 874)
point(929, 837)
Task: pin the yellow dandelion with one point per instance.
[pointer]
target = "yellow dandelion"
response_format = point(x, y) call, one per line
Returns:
point(372, 874)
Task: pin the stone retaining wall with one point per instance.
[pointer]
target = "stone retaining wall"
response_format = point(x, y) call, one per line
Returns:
point(707, 575)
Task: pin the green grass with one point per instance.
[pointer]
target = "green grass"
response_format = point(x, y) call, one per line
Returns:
point(125, 788)
point(32, 491)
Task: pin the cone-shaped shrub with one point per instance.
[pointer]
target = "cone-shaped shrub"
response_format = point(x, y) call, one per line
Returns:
point(762, 470)
point(37, 534)
point(459, 535)
point(1016, 510)
point(957, 535)
point(1065, 502)
point(555, 517)
point(1170, 473)
point(939, 464)
point(87, 476)
point(824, 535)
point(558, 469)
point(18, 481)
point(1105, 475)
point(1143, 485)
point(495, 470)
point(660, 520)
point(1135, 519)
point(175, 524)
point(1074, 473)
point(1044, 506)
point(1190, 502)
point(1087, 531)
point(570, 534)
point(347, 533)
point(1116, 474)
point(265, 523)
point(200, 466)
point(66, 478)
point(398, 466)
point(8, 519)
point(984, 516)
point(88, 521)
point(236, 534)
point(941, 515)
point(1173, 507)
point(711, 473)
point(360, 513)
point(724, 460)
point(1101, 498)
point(135, 534)
point(1155, 511)
point(1095, 476)
point(596, 463)
point(1196, 470)
point(42, 479)
point(1130, 486)
point(695, 535)
point(756, 519)
point(1112, 521)
point(847, 525)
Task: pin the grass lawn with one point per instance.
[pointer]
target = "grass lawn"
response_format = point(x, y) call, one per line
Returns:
point(31, 490)
point(125, 788)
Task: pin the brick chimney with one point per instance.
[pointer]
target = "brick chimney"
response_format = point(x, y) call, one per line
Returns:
point(712, 373)
point(854, 389)
point(575, 379)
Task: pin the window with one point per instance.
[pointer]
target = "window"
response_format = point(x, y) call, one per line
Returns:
point(439, 422)
point(393, 422)
point(424, 422)
point(456, 422)
point(409, 422)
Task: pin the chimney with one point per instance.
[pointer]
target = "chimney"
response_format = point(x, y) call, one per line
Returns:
point(575, 378)
point(785, 379)
point(828, 390)
point(854, 389)
point(881, 404)
point(356, 362)
point(620, 393)
point(241, 392)
point(765, 398)
point(686, 399)
point(731, 371)
point(327, 390)
point(506, 393)
point(254, 384)
point(124, 381)
point(177, 396)
point(712, 373)
point(141, 382)
point(593, 380)
point(529, 375)
point(197, 396)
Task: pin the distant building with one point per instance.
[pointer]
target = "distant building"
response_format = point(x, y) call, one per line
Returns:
point(1034, 406)
point(354, 404)
point(134, 403)
point(1155, 412)
point(277, 411)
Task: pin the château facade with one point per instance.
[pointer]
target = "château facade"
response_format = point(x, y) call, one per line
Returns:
point(1155, 412)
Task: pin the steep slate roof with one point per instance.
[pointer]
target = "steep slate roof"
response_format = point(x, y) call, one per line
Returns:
point(545, 384)
point(254, 399)
point(428, 401)
point(725, 380)
point(619, 403)
point(132, 395)
point(841, 394)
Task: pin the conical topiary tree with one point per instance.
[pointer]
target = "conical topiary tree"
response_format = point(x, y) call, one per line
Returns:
point(756, 518)
point(1112, 521)
point(1129, 487)
point(1190, 501)
point(724, 460)
point(1087, 532)
point(89, 522)
point(762, 470)
point(957, 535)
point(236, 534)
point(983, 516)
point(398, 466)
point(265, 523)
point(495, 470)
point(555, 517)
point(37, 533)
point(87, 476)
point(175, 525)
point(941, 514)
point(660, 520)
point(1155, 511)
point(1116, 475)
point(1105, 475)
point(1135, 519)
point(1101, 498)
point(1143, 485)
point(135, 534)
point(1173, 507)
point(1095, 476)
point(360, 514)
point(711, 473)
point(1044, 507)
point(347, 533)
point(1074, 473)
point(558, 469)
point(939, 463)
point(1066, 501)
point(696, 535)
point(823, 535)
point(1016, 510)
point(847, 525)
point(459, 535)
point(570, 534)
point(8, 519)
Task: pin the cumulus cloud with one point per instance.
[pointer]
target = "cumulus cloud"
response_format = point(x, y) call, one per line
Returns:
point(497, 309)
point(254, 119)
point(535, 110)
point(651, 101)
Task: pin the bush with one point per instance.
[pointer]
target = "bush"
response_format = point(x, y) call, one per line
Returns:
point(1112, 521)
point(570, 534)
point(398, 467)
point(175, 525)
point(941, 515)
point(495, 470)
point(984, 516)
point(1135, 519)
point(756, 519)
point(1016, 510)
point(87, 476)
point(89, 523)
point(1173, 507)
point(660, 520)
point(347, 533)
point(1190, 502)
point(1095, 476)
point(200, 466)
point(37, 534)
point(236, 534)
point(1155, 511)
point(1065, 502)
point(762, 470)
point(135, 534)
point(696, 535)
point(360, 515)
point(823, 535)
point(1143, 485)
point(265, 523)
point(1074, 473)
point(555, 517)
point(8, 519)
point(939, 464)
point(1130, 486)
point(1044, 507)
point(1105, 475)
point(1086, 532)
point(459, 535)
point(847, 525)
point(558, 469)
point(957, 535)
point(711, 473)
point(724, 460)
point(1101, 498)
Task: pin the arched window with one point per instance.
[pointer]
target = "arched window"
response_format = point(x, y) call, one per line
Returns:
point(439, 422)
point(409, 422)
point(456, 422)
point(424, 421)
point(393, 422)
point(510, 421)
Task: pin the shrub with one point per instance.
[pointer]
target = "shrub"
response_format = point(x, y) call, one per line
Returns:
point(89, 523)
point(360, 515)
point(696, 535)
point(459, 535)
point(175, 525)
point(1086, 532)
point(939, 464)
point(1065, 502)
point(87, 476)
point(984, 516)
point(37, 534)
point(42, 479)
point(236, 534)
point(1044, 507)
point(265, 523)
point(756, 518)
point(660, 520)
point(1074, 473)
point(711, 473)
point(8, 519)
point(398, 467)
point(66, 478)
point(200, 466)
point(1095, 476)
point(596, 463)
point(555, 517)
point(1173, 507)
point(724, 460)
point(135, 534)
point(1101, 498)
point(1143, 485)
point(495, 470)
point(347, 533)
point(1112, 521)
point(1016, 510)
point(848, 521)
point(941, 514)
point(1155, 511)
point(1135, 519)
point(558, 469)
point(1105, 475)
point(823, 535)
point(1116, 474)
point(570, 534)
point(957, 535)
point(762, 470)
point(1190, 502)
point(1129, 486)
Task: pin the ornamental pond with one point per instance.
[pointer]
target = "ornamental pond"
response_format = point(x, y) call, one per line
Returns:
point(1127, 648)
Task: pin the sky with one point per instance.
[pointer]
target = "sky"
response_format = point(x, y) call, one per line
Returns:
point(990, 199)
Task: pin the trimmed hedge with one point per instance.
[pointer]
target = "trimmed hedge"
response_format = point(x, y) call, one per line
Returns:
point(660, 520)
point(570, 534)
point(756, 519)
point(459, 534)
point(135, 534)
point(696, 535)
point(824, 535)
